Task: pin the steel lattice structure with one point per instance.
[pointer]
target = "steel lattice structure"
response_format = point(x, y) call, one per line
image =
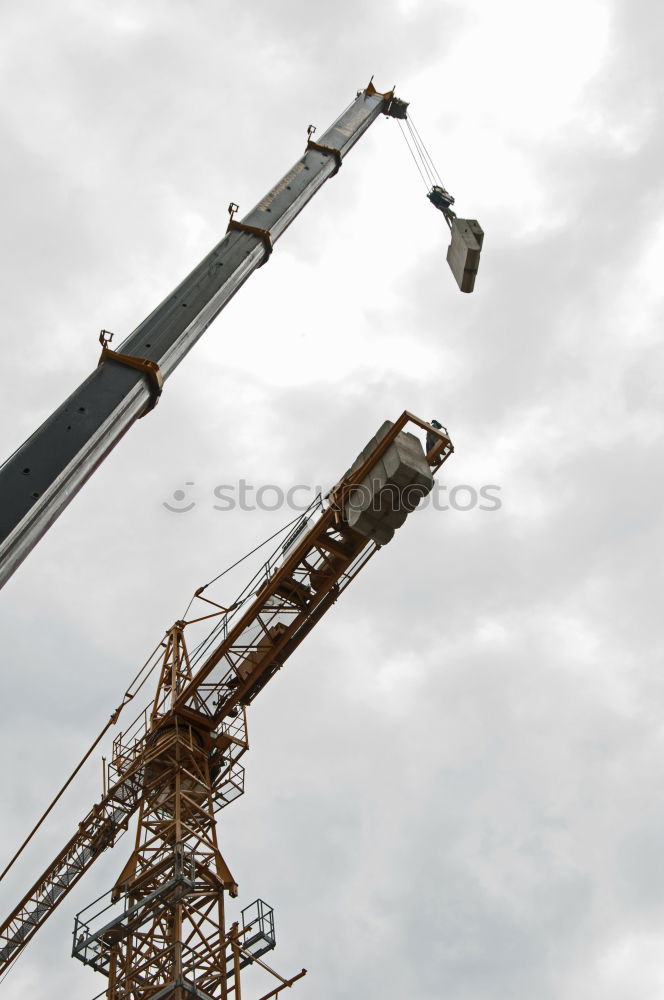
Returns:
point(163, 931)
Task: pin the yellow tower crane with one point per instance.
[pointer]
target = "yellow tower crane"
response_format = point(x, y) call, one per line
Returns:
point(162, 931)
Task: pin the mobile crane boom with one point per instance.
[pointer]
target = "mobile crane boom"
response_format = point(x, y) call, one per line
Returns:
point(201, 701)
point(45, 473)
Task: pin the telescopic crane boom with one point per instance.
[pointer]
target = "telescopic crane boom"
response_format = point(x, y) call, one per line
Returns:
point(178, 763)
point(44, 474)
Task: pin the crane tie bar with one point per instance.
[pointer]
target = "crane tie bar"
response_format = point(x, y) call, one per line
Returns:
point(253, 231)
point(331, 150)
point(149, 368)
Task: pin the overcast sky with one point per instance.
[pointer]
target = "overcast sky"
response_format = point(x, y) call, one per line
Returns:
point(455, 787)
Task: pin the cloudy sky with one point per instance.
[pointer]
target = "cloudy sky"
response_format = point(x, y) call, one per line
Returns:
point(455, 789)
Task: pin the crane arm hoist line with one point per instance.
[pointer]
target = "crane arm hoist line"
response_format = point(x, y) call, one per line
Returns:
point(199, 714)
point(44, 474)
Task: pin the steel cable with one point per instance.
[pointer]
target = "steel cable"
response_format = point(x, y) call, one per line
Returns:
point(126, 698)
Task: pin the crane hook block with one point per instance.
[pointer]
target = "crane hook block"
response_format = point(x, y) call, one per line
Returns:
point(463, 253)
point(441, 199)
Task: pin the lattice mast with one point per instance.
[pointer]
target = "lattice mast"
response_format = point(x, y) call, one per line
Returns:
point(171, 929)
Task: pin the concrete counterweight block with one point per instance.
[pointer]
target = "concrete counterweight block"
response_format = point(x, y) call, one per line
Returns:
point(363, 497)
point(392, 489)
point(405, 462)
point(371, 524)
point(382, 534)
point(389, 504)
point(463, 253)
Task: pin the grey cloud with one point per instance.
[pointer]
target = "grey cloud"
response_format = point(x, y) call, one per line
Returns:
point(452, 786)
